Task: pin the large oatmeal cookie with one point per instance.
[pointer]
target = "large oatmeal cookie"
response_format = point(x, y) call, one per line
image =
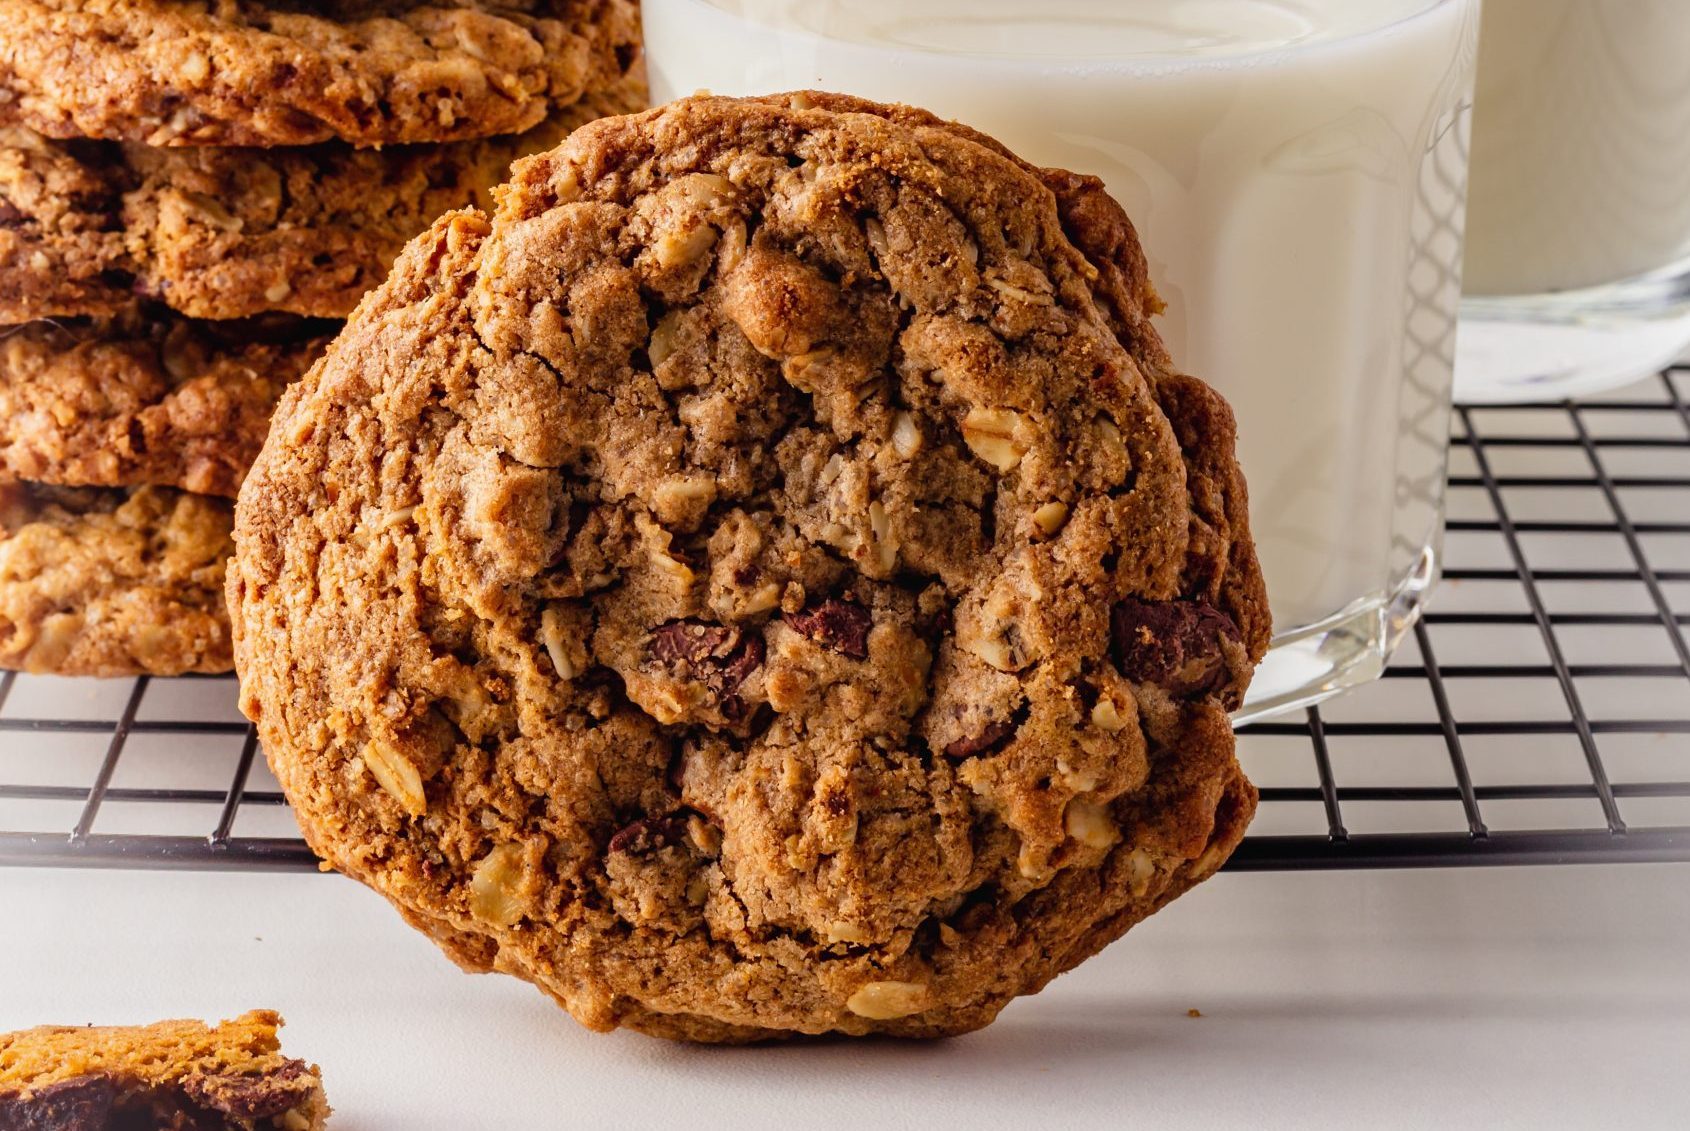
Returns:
point(85, 227)
point(110, 582)
point(766, 578)
point(293, 72)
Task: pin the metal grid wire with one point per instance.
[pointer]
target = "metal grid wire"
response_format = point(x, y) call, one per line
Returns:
point(1539, 714)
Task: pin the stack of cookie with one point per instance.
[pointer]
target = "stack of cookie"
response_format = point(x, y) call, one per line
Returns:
point(191, 195)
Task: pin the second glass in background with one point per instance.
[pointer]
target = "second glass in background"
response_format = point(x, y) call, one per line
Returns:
point(1578, 238)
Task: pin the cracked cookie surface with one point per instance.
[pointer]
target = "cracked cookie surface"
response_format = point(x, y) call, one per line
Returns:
point(112, 582)
point(166, 1075)
point(146, 398)
point(87, 227)
point(766, 578)
point(240, 73)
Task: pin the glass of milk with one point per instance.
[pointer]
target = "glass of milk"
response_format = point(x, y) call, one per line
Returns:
point(1297, 171)
point(1578, 236)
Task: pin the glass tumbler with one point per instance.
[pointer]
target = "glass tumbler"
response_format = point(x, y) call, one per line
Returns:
point(1578, 246)
point(1297, 171)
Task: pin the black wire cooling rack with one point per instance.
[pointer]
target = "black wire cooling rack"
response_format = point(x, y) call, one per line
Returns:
point(1539, 714)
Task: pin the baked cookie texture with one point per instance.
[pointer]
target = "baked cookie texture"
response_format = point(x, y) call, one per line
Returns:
point(55, 242)
point(765, 579)
point(172, 1074)
point(146, 397)
point(87, 227)
point(109, 581)
point(289, 73)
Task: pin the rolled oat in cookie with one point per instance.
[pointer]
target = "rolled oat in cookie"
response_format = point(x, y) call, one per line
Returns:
point(287, 73)
point(146, 398)
point(87, 227)
point(112, 582)
point(172, 1074)
point(710, 586)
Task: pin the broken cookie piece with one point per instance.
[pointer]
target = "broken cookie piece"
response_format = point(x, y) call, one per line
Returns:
point(169, 1075)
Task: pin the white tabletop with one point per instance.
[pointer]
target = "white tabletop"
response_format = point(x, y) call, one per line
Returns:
point(1532, 998)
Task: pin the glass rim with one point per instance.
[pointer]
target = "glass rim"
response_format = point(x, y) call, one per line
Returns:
point(1147, 63)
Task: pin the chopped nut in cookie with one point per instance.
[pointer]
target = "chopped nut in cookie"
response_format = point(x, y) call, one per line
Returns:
point(887, 1001)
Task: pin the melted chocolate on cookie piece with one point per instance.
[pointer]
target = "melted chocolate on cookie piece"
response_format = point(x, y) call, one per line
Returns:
point(83, 1103)
point(252, 1097)
point(197, 1102)
point(167, 1076)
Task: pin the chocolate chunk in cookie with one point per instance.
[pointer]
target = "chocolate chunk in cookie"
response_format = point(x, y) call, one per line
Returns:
point(719, 657)
point(649, 834)
point(1176, 645)
point(989, 738)
point(780, 463)
point(840, 625)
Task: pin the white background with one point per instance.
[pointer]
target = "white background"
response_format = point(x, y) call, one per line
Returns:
point(1531, 998)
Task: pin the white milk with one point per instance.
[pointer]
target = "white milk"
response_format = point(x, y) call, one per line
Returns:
point(1581, 144)
point(1273, 154)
